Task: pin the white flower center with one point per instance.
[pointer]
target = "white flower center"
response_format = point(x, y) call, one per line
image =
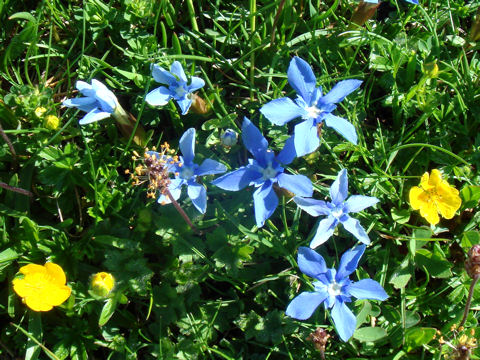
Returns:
point(334, 289)
point(313, 111)
point(337, 212)
point(186, 172)
point(269, 172)
point(180, 91)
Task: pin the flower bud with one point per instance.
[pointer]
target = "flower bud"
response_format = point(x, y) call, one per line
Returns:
point(39, 111)
point(229, 137)
point(102, 283)
point(51, 122)
point(472, 265)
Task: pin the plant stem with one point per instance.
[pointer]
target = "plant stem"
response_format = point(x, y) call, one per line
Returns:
point(191, 13)
point(469, 300)
point(16, 189)
point(181, 211)
point(10, 145)
point(253, 20)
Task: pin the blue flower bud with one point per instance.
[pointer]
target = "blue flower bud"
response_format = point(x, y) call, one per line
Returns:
point(229, 137)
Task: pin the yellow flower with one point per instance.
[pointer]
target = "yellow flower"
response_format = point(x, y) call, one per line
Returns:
point(102, 283)
point(51, 122)
point(42, 287)
point(434, 196)
point(39, 111)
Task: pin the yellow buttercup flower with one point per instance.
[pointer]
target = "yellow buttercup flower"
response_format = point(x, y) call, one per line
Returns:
point(102, 283)
point(434, 196)
point(42, 287)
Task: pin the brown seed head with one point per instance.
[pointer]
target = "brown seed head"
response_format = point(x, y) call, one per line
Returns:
point(472, 265)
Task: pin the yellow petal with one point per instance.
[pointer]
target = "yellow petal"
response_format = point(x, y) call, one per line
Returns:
point(37, 304)
point(435, 177)
point(430, 213)
point(448, 201)
point(417, 197)
point(20, 286)
point(32, 269)
point(56, 273)
point(58, 294)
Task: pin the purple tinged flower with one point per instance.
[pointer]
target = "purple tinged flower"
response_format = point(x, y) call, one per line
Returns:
point(99, 102)
point(310, 105)
point(334, 289)
point(229, 137)
point(186, 172)
point(263, 171)
point(337, 211)
point(177, 87)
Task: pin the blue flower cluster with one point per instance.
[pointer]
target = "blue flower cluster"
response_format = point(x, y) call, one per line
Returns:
point(266, 172)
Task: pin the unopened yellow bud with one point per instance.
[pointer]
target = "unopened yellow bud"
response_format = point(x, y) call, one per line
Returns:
point(431, 69)
point(51, 122)
point(102, 283)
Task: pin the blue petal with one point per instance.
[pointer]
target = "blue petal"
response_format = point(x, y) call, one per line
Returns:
point(210, 167)
point(353, 226)
point(304, 305)
point(195, 84)
point(339, 188)
point(356, 203)
point(158, 97)
point(187, 146)
point(184, 105)
point(253, 139)
point(163, 76)
point(108, 101)
point(288, 153)
point(265, 202)
point(198, 195)
point(298, 184)
point(310, 262)
point(340, 91)
point(94, 115)
point(85, 88)
point(367, 289)
point(281, 111)
point(341, 126)
point(372, 1)
point(236, 180)
point(349, 262)
point(306, 137)
point(84, 103)
point(175, 189)
point(313, 207)
point(344, 320)
point(412, 1)
point(177, 69)
point(301, 78)
point(325, 229)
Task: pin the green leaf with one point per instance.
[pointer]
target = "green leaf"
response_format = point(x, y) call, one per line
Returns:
point(400, 216)
point(6, 258)
point(417, 337)
point(35, 329)
point(369, 334)
point(23, 15)
point(436, 265)
point(470, 195)
point(107, 311)
point(469, 239)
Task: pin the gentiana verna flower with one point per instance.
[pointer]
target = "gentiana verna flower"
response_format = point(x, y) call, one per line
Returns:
point(99, 102)
point(337, 211)
point(42, 286)
point(310, 105)
point(187, 171)
point(229, 137)
point(177, 87)
point(376, 1)
point(263, 171)
point(435, 195)
point(334, 289)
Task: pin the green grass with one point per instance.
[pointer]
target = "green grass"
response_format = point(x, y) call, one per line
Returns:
point(223, 294)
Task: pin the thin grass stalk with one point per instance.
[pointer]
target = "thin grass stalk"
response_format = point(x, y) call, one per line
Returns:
point(253, 21)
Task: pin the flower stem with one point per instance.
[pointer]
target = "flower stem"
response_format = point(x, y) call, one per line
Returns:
point(253, 20)
point(469, 300)
point(181, 212)
point(16, 189)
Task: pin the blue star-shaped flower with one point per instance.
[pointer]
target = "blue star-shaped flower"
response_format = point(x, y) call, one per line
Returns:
point(334, 289)
point(311, 106)
point(176, 88)
point(337, 211)
point(99, 102)
point(186, 172)
point(263, 171)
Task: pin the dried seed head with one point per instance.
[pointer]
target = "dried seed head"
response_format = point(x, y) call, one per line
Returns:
point(472, 265)
point(154, 169)
point(319, 338)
